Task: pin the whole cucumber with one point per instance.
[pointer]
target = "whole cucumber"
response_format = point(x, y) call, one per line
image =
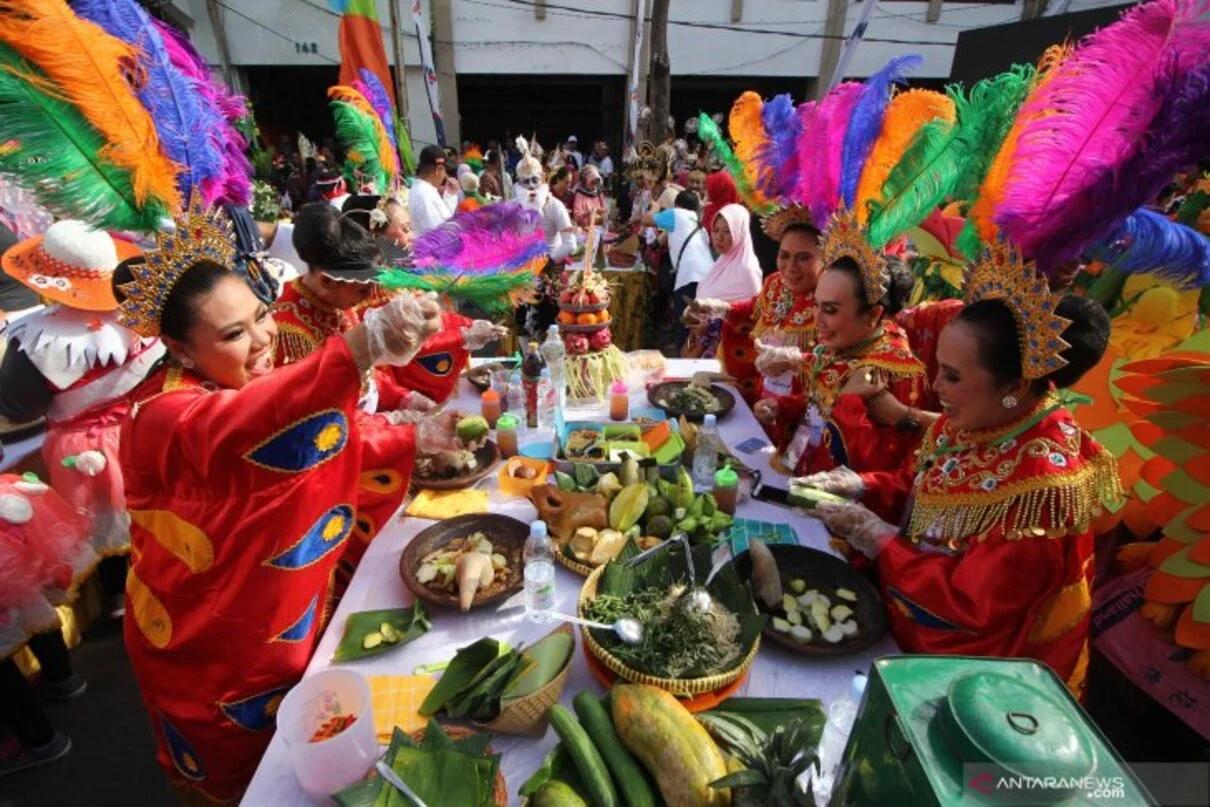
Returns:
point(627, 775)
point(557, 794)
point(585, 756)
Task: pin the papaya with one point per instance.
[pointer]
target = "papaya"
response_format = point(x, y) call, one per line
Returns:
point(674, 748)
point(558, 794)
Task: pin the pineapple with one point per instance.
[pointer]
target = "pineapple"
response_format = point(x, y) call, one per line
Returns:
point(769, 764)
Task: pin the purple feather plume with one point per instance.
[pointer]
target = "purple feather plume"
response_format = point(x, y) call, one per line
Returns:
point(234, 185)
point(819, 150)
point(777, 157)
point(1096, 115)
point(380, 99)
point(183, 119)
point(865, 122)
point(497, 238)
point(1148, 241)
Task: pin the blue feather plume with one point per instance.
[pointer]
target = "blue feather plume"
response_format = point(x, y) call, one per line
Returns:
point(380, 99)
point(866, 121)
point(778, 155)
point(1148, 241)
point(182, 121)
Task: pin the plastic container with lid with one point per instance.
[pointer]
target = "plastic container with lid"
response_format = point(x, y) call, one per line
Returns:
point(726, 489)
point(506, 435)
point(619, 400)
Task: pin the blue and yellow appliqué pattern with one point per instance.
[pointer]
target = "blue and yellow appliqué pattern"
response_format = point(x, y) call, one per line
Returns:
point(301, 627)
point(255, 712)
point(303, 445)
point(439, 364)
point(920, 614)
point(184, 758)
point(326, 534)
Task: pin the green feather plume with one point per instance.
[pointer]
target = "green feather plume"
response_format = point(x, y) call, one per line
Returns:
point(492, 293)
point(356, 133)
point(49, 148)
point(708, 131)
point(404, 138)
point(968, 241)
point(949, 160)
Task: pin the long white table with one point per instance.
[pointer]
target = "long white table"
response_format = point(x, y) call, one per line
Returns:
point(377, 584)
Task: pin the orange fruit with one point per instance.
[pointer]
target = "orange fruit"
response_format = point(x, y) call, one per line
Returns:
point(602, 317)
point(567, 318)
point(586, 319)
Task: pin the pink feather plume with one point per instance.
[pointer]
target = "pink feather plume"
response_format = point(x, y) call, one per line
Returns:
point(820, 147)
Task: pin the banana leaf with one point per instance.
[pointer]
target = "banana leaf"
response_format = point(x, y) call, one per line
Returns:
point(468, 662)
point(549, 655)
point(481, 698)
point(410, 623)
point(769, 713)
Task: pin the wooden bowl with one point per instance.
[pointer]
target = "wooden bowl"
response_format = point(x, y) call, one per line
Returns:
point(485, 460)
point(820, 569)
point(507, 536)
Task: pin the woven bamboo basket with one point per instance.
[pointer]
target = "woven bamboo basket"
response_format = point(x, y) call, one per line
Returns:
point(528, 715)
point(582, 569)
point(499, 789)
point(677, 686)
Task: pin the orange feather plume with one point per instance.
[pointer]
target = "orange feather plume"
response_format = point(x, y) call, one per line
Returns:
point(905, 114)
point(386, 152)
point(991, 192)
point(86, 68)
point(748, 132)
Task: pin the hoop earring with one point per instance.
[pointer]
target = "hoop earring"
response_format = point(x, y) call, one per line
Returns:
point(1009, 401)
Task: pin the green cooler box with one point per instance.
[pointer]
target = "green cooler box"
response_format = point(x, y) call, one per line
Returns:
point(957, 730)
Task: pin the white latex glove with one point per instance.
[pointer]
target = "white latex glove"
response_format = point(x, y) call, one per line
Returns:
point(396, 331)
point(398, 417)
point(15, 509)
point(839, 481)
point(90, 462)
point(766, 410)
point(419, 402)
point(775, 360)
point(481, 332)
point(865, 532)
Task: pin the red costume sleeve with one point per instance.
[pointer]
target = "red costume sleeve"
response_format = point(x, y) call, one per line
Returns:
point(1018, 598)
point(388, 455)
point(436, 369)
point(886, 492)
point(391, 395)
point(737, 351)
point(791, 409)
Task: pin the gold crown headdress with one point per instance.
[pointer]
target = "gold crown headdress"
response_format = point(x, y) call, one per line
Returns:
point(1003, 275)
point(200, 234)
point(844, 237)
point(774, 224)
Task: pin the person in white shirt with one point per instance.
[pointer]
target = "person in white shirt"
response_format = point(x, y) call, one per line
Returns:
point(572, 149)
point(601, 159)
point(534, 194)
point(431, 199)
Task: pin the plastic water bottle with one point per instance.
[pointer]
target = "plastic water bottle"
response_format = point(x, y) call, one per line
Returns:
point(516, 396)
point(539, 573)
point(554, 352)
point(548, 400)
point(841, 714)
point(705, 455)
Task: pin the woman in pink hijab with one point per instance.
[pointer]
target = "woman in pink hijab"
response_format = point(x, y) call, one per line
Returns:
point(736, 274)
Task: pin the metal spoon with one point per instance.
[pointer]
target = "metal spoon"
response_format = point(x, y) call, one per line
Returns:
point(393, 779)
point(700, 599)
point(628, 629)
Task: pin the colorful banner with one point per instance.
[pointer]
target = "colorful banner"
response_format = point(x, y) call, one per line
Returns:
point(361, 44)
point(430, 74)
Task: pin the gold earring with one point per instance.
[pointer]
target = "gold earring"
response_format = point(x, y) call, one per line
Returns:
point(1009, 401)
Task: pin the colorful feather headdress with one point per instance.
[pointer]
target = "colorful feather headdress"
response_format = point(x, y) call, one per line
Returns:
point(490, 257)
point(369, 150)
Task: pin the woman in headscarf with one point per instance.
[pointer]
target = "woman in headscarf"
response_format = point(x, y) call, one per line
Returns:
point(735, 276)
point(588, 203)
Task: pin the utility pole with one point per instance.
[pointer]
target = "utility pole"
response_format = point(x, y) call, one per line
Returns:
point(220, 38)
point(829, 54)
point(401, 86)
point(660, 78)
point(443, 64)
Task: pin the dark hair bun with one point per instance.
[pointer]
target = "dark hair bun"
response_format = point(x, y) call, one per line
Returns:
point(1087, 335)
point(900, 282)
point(325, 239)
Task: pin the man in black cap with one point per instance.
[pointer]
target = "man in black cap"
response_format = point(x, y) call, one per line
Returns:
point(431, 200)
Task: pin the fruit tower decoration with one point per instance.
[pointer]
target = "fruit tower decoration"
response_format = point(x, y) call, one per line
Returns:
point(593, 361)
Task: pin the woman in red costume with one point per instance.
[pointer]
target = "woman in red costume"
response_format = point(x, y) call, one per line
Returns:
point(783, 313)
point(242, 482)
point(862, 354)
point(994, 555)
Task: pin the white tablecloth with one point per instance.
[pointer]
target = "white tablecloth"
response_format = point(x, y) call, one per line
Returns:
point(377, 584)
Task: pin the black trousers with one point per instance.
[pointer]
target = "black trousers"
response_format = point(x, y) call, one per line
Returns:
point(19, 708)
point(112, 573)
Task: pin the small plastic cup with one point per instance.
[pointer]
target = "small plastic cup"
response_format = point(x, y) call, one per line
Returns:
point(326, 766)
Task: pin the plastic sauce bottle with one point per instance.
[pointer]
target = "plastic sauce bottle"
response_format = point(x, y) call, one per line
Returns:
point(506, 435)
point(726, 489)
point(619, 400)
point(490, 407)
point(539, 556)
point(705, 454)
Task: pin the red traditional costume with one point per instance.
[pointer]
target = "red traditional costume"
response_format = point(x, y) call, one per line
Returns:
point(240, 512)
point(995, 557)
point(774, 312)
point(923, 324)
point(826, 428)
